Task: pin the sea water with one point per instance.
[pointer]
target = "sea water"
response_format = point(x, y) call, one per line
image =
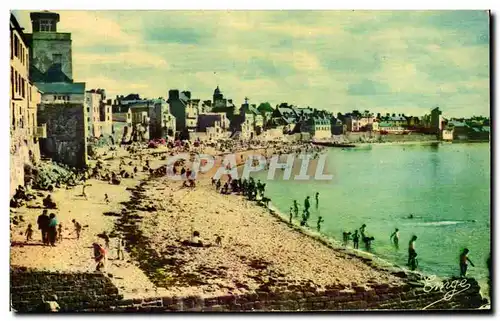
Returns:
point(445, 187)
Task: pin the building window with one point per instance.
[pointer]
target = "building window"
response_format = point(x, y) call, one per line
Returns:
point(23, 88)
point(88, 109)
point(55, 97)
point(45, 25)
point(56, 58)
point(88, 119)
point(15, 81)
point(13, 116)
point(16, 46)
point(67, 98)
point(12, 80)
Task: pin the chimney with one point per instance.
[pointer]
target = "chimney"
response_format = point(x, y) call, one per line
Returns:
point(173, 94)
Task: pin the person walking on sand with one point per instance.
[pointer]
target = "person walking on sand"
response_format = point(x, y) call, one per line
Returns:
point(464, 260)
point(78, 228)
point(52, 229)
point(106, 198)
point(43, 226)
point(83, 190)
point(395, 237)
point(291, 214)
point(29, 233)
point(317, 200)
point(119, 248)
point(355, 239)
point(105, 236)
point(320, 220)
point(295, 208)
point(99, 256)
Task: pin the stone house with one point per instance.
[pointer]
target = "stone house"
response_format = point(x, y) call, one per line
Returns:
point(24, 98)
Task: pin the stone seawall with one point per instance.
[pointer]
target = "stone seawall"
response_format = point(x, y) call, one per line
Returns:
point(75, 291)
point(94, 292)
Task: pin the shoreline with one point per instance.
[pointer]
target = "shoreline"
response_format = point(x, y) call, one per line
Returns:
point(229, 214)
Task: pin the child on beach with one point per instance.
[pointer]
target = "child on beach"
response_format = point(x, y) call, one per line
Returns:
point(291, 214)
point(59, 232)
point(106, 198)
point(99, 256)
point(320, 220)
point(29, 233)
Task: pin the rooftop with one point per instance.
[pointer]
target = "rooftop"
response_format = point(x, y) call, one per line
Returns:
point(61, 87)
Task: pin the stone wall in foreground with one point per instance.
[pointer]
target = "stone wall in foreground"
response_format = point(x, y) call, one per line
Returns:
point(381, 297)
point(94, 292)
point(75, 291)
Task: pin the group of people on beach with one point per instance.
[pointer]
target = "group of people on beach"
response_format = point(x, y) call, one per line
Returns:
point(248, 187)
point(394, 237)
point(51, 230)
point(306, 213)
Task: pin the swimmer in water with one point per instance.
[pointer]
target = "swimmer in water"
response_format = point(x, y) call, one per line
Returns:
point(411, 216)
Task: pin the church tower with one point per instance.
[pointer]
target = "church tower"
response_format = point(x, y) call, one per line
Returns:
point(51, 55)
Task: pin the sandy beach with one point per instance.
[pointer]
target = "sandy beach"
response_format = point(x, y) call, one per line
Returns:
point(258, 250)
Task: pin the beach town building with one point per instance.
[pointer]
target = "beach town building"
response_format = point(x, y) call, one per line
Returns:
point(147, 119)
point(352, 123)
point(162, 122)
point(251, 115)
point(436, 120)
point(373, 126)
point(185, 111)
point(62, 108)
point(205, 107)
point(243, 125)
point(266, 111)
point(50, 50)
point(285, 117)
point(391, 128)
point(215, 125)
point(99, 113)
point(62, 105)
point(337, 126)
point(447, 134)
point(412, 121)
point(24, 98)
point(396, 121)
point(366, 123)
point(122, 126)
point(192, 114)
point(318, 127)
point(121, 104)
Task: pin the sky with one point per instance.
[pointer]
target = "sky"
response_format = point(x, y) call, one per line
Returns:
point(382, 61)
